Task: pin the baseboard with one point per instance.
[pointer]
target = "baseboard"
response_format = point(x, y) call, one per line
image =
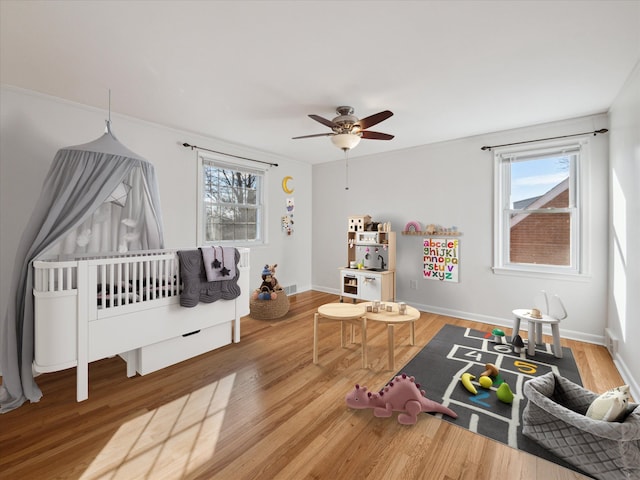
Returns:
point(628, 379)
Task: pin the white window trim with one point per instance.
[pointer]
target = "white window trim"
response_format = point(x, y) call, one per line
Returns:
point(580, 221)
point(235, 163)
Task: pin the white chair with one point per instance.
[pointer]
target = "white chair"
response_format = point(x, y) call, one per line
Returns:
point(540, 301)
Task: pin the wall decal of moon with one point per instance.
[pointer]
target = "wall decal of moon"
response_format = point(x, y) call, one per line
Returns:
point(285, 185)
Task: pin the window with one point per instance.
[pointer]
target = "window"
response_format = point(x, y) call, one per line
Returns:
point(231, 207)
point(538, 210)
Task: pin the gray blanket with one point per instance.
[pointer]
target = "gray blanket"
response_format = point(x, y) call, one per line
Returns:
point(196, 288)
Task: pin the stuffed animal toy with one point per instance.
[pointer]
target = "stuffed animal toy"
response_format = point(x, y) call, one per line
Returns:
point(402, 395)
point(611, 406)
point(275, 286)
point(266, 290)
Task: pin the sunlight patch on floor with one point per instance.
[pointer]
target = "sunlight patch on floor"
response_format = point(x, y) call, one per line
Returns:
point(167, 442)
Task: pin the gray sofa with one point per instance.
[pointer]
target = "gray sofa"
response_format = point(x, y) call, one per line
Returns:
point(555, 418)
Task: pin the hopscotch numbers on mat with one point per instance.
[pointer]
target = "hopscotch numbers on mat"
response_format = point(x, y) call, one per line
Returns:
point(474, 354)
point(526, 367)
point(479, 397)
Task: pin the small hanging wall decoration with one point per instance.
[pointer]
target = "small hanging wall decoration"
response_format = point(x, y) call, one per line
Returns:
point(441, 259)
point(287, 224)
point(287, 220)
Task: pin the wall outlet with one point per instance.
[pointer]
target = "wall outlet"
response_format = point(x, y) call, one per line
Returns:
point(413, 284)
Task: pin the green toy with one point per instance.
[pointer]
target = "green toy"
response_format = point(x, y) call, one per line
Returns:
point(504, 393)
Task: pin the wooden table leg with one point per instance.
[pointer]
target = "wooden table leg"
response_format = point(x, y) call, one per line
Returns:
point(343, 334)
point(315, 338)
point(363, 334)
point(391, 342)
point(412, 333)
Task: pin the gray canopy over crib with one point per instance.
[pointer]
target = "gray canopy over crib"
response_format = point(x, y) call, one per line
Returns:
point(92, 243)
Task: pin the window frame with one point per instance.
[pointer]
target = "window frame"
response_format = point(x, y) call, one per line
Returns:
point(578, 182)
point(205, 159)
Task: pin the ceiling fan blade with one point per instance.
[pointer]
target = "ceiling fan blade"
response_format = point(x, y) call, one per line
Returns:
point(376, 135)
point(372, 120)
point(323, 121)
point(315, 135)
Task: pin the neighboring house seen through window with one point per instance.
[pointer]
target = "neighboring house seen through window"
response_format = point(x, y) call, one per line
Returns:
point(538, 210)
point(231, 203)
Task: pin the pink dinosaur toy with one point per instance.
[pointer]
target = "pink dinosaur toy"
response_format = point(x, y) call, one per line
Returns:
point(402, 394)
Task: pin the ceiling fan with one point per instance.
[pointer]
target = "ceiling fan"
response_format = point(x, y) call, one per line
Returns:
point(348, 130)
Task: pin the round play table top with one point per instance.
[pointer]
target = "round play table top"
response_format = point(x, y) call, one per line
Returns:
point(394, 315)
point(342, 311)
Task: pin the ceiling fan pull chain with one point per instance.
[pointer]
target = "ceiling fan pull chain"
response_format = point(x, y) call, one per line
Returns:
point(346, 167)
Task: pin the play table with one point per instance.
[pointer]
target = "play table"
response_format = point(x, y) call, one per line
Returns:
point(345, 314)
point(392, 319)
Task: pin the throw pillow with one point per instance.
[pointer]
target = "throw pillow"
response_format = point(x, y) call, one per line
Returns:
point(611, 405)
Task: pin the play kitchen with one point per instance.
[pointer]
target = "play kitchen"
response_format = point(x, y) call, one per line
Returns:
point(371, 261)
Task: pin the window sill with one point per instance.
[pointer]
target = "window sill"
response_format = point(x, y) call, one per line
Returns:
point(518, 272)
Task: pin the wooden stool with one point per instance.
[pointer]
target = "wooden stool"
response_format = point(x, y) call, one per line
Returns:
point(343, 313)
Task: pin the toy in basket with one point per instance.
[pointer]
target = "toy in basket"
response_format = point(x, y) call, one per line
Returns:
point(269, 301)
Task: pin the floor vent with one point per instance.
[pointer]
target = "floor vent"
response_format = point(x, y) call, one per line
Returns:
point(291, 289)
point(611, 342)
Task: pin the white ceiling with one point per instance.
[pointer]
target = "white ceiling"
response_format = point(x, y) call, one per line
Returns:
point(249, 72)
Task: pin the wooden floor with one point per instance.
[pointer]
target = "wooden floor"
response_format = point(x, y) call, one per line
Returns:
point(261, 409)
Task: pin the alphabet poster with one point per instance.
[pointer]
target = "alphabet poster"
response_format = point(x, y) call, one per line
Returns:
point(440, 259)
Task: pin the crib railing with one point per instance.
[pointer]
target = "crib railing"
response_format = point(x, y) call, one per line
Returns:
point(116, 280)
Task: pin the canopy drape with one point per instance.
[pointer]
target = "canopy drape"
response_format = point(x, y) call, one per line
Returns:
point(81, 179)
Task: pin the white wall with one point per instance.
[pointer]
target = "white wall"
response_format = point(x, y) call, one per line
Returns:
point(624, 267)
point(451, 183)
point(33, 127)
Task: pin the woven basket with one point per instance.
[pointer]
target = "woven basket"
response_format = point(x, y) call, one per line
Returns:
point(269, 309)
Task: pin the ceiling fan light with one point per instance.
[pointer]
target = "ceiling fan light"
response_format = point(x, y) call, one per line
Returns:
point(345, 141)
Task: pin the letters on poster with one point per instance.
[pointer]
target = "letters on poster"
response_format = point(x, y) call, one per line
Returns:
point(441, 259)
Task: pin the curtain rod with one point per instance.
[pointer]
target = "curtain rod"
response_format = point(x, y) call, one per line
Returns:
point(595, 132)
point(228, 154)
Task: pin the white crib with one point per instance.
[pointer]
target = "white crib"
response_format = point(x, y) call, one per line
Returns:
point(91, 308)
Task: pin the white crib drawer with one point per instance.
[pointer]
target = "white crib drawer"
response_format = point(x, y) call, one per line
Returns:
point(160, 355)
